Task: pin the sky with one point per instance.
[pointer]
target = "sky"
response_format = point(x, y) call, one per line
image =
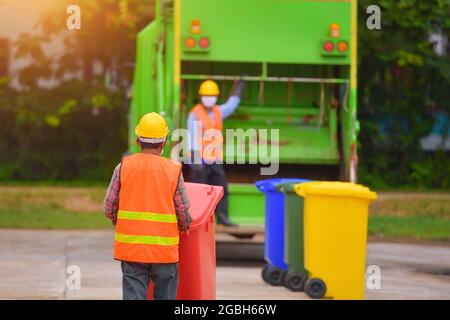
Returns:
point(19, 16)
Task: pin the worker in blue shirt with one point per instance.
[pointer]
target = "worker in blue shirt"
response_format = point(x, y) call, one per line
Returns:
point(208, 115)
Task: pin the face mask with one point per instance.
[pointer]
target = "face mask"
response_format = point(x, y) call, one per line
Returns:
point(209, 101)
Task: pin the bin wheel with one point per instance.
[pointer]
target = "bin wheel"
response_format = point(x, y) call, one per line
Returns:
point(272, 275)
point(245, 236)
point(283, 276)
point(315, 288)
point(264, 273)
point(295, 281)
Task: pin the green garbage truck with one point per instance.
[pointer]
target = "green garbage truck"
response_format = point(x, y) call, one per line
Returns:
point(298, 59)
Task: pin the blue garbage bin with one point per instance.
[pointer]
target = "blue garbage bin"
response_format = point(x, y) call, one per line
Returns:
point(275, 270)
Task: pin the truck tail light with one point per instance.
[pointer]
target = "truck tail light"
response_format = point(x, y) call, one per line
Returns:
point(334, 30)
point(204, 43)
point(189, 42)
point(328, 46)
point(195, 26)
point(342, 46)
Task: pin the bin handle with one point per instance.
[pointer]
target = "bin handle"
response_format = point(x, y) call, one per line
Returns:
point(260, 186)
point(211, 220)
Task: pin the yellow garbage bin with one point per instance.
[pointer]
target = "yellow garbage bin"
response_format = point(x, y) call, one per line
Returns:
point(335, 236)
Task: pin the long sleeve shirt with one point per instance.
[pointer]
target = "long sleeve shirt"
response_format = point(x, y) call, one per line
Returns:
point(180, 199)
point(226, 110)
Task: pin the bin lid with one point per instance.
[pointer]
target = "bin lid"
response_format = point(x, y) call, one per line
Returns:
point(288, 187)
point(298, 186)
point(335, 188)
point(269, 185)
point(243, 188)
point(203, 200)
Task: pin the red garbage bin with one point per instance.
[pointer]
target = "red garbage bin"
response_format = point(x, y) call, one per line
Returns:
point(197, 249)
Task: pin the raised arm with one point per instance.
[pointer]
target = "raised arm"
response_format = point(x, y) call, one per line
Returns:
point(232, 103)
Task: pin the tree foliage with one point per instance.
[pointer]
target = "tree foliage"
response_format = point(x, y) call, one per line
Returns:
point(401, 82)
point(68, 120)
point(75, 127)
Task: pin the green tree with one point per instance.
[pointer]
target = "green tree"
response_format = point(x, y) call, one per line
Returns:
point(76, 127)
point(400, 79)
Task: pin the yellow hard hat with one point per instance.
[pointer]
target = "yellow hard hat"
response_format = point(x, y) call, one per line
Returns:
point(152, 126)
point(208, 88)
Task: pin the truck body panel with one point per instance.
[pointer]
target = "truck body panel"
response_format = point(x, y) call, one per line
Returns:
point(293, 84)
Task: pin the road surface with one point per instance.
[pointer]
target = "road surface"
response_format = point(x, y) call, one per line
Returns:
point(34, 264)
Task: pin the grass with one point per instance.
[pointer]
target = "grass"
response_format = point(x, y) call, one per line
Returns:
point(418, 228)
point(414, 215)
point(411, 215)
point(56, 219)
point(52, 208)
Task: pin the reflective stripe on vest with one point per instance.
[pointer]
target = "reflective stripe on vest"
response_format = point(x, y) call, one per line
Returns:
point(147, 228)
point(147, 216)
point(211, 139)
point(163, 241)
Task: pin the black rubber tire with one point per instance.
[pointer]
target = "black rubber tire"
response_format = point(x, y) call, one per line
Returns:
point(283, 276)
point(246, 236)
point(272, 275)
point(295, 281)
point(315, 288)
point(264, 274)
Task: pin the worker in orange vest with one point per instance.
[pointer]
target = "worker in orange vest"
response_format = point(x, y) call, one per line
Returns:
point(148, 204)
point(206, 144)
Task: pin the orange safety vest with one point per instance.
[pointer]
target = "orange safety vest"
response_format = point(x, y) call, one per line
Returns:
point(147, 228)
point(211, 139)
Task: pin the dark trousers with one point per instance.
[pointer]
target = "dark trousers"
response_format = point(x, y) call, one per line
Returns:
point(136, 277)
point(212, 174)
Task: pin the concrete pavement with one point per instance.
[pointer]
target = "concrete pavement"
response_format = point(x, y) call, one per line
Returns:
point(34, 264)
